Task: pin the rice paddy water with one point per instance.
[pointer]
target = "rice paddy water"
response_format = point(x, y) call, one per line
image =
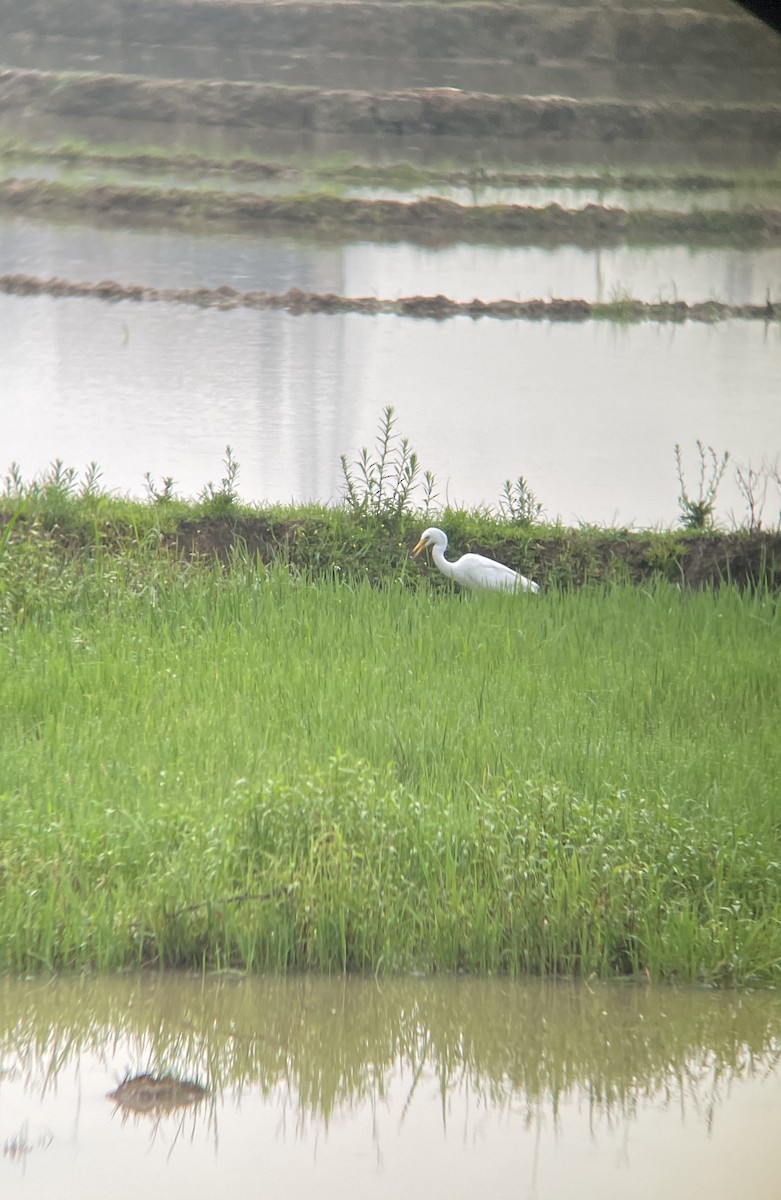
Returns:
point(560, 403)
point(348, 1086)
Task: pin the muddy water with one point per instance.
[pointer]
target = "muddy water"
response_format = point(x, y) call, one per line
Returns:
point(252, 261)
point(588, 413)
point(423, 1088)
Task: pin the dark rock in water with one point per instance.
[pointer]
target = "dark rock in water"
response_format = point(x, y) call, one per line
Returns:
point(156, 1094)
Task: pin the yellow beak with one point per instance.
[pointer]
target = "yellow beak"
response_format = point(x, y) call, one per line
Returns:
point(420, 546)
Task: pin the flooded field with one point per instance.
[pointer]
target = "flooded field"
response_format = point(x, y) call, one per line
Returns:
point(421, 1087)
point(303, 145)
point(257, 261)
point(588, 413)
point(344, 70)
point(660, 198)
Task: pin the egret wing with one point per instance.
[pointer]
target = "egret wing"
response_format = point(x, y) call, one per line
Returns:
point(475, 571)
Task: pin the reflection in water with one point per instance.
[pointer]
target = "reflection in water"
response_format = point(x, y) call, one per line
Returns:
point(436, 1087)
point(589, 414)
point(250, 261)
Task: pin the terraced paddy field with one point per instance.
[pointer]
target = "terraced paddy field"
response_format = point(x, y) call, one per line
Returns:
point(245, 735)
point(550, 164)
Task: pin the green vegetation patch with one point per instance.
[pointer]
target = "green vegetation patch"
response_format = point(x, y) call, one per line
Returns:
point(255, 768)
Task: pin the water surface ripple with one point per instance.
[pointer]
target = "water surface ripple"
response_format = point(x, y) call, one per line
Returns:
point(465, 271)
point(589, 413)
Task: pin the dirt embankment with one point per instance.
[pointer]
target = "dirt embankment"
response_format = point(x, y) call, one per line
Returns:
point(431, 221)
point(420, 111)
point(568, 557)
point(298, 302)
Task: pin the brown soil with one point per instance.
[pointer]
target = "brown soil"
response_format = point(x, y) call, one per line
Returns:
point(156, 1094)
point(431, 221)
point(436, 307)
point(418, 111)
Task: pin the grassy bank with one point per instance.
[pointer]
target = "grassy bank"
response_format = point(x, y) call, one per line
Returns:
point(255, 768)
point(60, 541)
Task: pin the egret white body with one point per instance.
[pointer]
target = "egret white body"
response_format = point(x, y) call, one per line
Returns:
point(473, 570)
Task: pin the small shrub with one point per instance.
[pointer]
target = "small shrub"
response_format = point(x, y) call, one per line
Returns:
point(56, 494)
point(753, 484)
point(519, 503)
point(382, 485)
point(223, 500)
point(698, 514)
point(162, 495)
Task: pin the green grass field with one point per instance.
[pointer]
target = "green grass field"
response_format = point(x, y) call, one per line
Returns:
point(245, 768)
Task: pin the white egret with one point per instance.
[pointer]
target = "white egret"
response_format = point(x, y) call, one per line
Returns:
point(473, 570)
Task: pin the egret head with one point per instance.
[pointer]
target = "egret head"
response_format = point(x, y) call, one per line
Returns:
point(430, 537)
